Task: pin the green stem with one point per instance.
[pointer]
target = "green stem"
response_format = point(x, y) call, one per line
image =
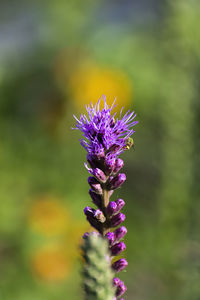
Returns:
point(105, 202)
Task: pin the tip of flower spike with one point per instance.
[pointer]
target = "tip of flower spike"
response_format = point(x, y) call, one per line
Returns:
point(101, 131)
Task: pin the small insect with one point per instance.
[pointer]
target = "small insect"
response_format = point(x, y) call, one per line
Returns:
point(129, 144)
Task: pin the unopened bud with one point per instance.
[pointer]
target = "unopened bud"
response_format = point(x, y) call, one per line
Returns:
point(99, 174)
point(120, 233)
point(111, 237)
point(117, 219)
point(119, 265)
point(119, 163)
point(111, 208)
point(109, 164)
point(115, 206)
point(95, 185)
point(93, 217)
point(120, 204)
point(117, 181)
point(121, 288)
point(96, 198)
point(116, 249)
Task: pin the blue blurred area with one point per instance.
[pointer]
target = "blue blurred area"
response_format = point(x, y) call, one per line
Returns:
point(57, 56)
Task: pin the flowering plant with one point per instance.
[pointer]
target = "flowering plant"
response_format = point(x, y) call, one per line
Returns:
point(105, 138)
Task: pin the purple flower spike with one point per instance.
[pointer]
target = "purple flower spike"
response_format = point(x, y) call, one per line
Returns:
point(105, 137)
point(111, 237)
point(118, 248)
point(117, 220)
point(119, 163)
point(120, 233)
point(95, 185)
point(119, 265)
point(117, 181)
point(111, 208)
point(99, 175)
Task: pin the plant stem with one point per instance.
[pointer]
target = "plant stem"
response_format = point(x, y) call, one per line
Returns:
point(105, 202)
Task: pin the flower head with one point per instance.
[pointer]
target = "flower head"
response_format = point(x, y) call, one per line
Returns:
point(105, 135)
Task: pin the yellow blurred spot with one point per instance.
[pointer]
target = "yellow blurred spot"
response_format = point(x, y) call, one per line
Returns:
point(89, 83)
point(48, 216)
point(51, 263)
point(74, 235)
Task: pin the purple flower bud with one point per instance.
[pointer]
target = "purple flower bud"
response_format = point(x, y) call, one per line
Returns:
point(109, 164)
point(121, 289)
point(111, 237)
point(99, 174)
point(115, 206)
point(120, 204)
point(117, 220)
point(111, 208)
point(119, 284)
point(93, 218)
point(116, 281)
point(119, 265)
point(119, 163)
point(117, 181)
point(120, 233)
point(95, 185)
point(118, 248)
point(91, 160)
point(96, 198)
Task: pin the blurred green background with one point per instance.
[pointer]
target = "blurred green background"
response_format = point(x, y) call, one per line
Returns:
point(57, 56)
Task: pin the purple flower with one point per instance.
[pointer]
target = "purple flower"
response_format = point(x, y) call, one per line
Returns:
point(103, 133)
point(105, 137)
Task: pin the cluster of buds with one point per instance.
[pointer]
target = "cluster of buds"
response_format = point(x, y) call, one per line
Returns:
point(105, 139)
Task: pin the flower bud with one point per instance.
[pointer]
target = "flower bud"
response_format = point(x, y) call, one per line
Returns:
point(111, 208)
point(109, 164)
point(96, 198)
point(117, 219)
point(111, 237)
point(99, 174)
point(117, 181)
point(119, 163)
point(120, 204)
point(119, 265)
point(120, 233)
point(119, 284)
point(115, 206)
point(116, 281)
point(116, 249)
point(95, 185)
point(121, 289)
point(91, 160)
point(95, 218)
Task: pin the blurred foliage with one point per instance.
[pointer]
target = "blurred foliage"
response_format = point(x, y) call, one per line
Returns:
point(57, 56)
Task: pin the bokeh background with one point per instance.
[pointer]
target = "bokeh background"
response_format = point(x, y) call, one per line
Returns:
point(57, 56)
